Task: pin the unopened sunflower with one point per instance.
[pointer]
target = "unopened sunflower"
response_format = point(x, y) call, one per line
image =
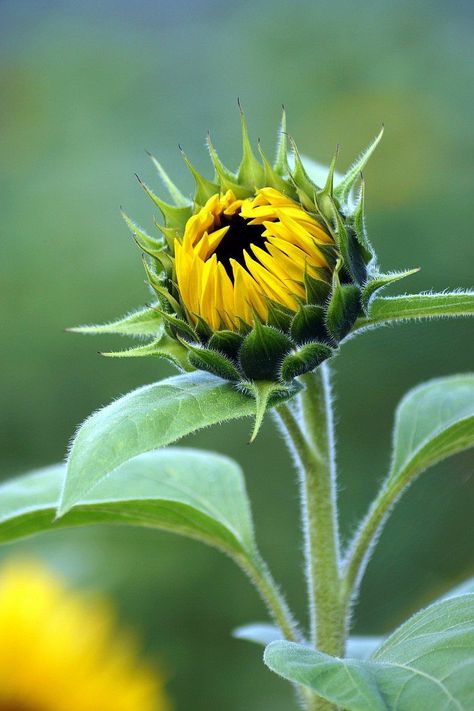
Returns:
point(60, 651)
point(261, 275)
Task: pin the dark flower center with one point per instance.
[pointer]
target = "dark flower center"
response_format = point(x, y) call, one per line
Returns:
point(239, 238)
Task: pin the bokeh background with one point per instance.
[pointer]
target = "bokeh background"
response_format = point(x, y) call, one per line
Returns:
point(85, 88)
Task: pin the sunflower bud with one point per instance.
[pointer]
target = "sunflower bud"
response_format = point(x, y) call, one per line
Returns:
point(263, 273)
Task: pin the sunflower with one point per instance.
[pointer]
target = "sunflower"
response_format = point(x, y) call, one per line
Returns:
point(61, 652)
point(260, 276)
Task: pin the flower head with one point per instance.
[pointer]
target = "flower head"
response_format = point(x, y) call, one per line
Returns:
point(237, 257)
point(60, 651)
point(261, 275)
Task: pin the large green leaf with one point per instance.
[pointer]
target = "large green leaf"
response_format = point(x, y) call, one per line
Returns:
point(148, 418)
point(390, 309)
point(425, 664)
point(433, 421)
point(195, 493)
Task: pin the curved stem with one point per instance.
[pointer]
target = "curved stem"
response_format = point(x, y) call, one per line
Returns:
point(259, 573)
point(364, 541)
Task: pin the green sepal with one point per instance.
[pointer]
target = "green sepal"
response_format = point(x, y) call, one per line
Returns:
point(281, 161)
point(379, 281)
point(175, 217)
point(163, 347)
point(272, 179)
point(300, 176)
point(213, 362)
point(150, 245)
point(309, 324)
point(344, 187)
point(145, 322)
point(262, 352)
point(169, 233)
point(305, 359)
point(267, 394)
point(204, 188)
point(226, 342)
point(278, 316)
point(316, 290)
point(226, 179)
point(325, 197)
point(178, 326)
point(251, 173)
point(175, 193)
point(358, 223)
point(350, 251)
point(167, 301)
point(343, 308)
point(202, 329)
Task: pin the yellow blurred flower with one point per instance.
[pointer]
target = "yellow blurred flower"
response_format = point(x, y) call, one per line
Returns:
point(60, 651)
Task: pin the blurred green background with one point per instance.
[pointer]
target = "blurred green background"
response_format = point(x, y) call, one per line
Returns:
point(85, 88)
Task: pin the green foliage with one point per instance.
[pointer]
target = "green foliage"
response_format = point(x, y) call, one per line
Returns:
point(421, 665)
point(147, 418)
point(190, 492)
point(433, 422)
point(391, 309)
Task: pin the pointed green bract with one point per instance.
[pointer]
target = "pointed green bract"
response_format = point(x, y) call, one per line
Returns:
point(281, 160)
point(176, 217)
point(379, 281)
point(143, 322)
point(251, 173)
point(343, 189)
point(204, 188)
point(179, 199)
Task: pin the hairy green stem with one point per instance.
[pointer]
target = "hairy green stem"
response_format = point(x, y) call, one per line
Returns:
point(364, 541)
point(259, 573)
point(309, 432)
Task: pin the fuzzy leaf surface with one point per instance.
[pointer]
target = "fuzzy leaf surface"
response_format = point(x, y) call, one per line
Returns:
point(194, 493)
point(425, 663)
point(150, 417)
point(433, 422)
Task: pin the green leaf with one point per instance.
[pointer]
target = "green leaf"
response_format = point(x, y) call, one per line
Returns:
point(194, 493)
point(144, 322)
point(433, 422)
point(358, 647)
point(391, 309)
point(150, 417)
point(425, 664)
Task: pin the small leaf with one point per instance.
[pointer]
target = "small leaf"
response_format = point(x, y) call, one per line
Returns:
point(213, 362)
point(305, 359)
point(425, 664)
point(390, 309)
point(194, 493)
point(433, 422)
point(379, 281)
point(152, 416)
point(144, 322)
point(343, 189)
point(281, 161)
